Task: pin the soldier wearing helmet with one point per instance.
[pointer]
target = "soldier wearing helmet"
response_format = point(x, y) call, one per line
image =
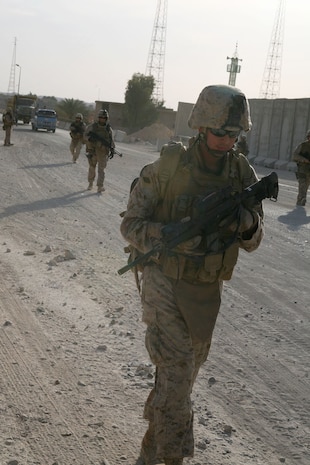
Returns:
point(8, 121)
point(301, 156)
point(181, 288)
point(99, 148)
point(77, 129)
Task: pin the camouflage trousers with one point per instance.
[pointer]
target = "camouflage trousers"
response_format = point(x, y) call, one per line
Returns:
point(97, 158)
point(7, 138)
point(75, 148)
point(180, 319)
point(303, 178)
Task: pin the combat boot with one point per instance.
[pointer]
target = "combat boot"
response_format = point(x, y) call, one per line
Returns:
point(90, 186)
point(100, 189)
point(301, 202)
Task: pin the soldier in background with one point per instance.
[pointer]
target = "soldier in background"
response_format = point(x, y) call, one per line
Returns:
point(8, 121)
point(99, 148)
point(301, 156)
point(181, 288)
point(242, 146)
point(77, 129)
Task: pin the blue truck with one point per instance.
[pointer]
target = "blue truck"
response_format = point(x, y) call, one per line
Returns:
point(44, 119)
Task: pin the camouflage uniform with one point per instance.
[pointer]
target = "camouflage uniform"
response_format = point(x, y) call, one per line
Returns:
point(8, 122)
point(77, 129)
point(181, 294)
point(97, 152)
point(301, 156)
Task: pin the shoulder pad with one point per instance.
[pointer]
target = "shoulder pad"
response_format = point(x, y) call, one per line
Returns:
point(172, 147)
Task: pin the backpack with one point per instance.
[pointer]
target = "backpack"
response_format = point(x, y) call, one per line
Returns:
point(169, 159)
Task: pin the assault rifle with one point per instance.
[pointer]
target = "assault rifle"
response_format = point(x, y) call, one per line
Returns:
point(213, 209)
point(94, 137)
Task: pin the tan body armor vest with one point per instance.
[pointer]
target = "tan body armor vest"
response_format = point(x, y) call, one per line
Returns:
point(185, 186)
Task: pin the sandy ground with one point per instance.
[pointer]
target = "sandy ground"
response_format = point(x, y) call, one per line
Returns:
point(74, 370)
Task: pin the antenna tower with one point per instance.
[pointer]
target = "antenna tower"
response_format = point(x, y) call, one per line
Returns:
point(233, 68)
point(11, 87)
point(156, 57)
point(270, 87)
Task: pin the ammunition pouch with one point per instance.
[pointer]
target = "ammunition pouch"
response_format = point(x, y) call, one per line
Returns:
point(201, 269)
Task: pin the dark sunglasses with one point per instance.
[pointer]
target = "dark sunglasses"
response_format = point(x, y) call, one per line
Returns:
point(223, 133)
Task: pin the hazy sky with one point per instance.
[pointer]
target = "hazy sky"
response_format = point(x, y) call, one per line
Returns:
point(89, 49)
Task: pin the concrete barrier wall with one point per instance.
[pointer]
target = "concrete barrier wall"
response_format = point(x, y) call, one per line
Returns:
point(279, 125)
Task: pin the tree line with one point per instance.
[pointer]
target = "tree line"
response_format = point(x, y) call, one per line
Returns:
point(139, 110)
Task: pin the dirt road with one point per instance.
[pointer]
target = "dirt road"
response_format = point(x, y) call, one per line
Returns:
point(74, 370)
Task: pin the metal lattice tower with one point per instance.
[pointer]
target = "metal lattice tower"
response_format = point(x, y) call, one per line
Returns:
point(270, 87)
point(156, 57)
point(11, 87)
point(233, 68)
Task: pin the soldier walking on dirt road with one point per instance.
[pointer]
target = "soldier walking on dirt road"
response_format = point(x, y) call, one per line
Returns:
point(8, 122)
point(77, 129)
point(181, 288)
point(99, 148)
point(301, 156)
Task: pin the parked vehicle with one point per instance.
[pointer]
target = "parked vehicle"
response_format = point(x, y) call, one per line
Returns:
point(44, 119)
point(23, 107)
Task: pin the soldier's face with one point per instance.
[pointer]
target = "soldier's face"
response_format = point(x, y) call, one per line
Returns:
point(220, 143)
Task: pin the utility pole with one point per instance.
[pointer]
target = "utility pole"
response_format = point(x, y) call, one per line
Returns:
point(156, 57)
point(233, 68)
point(11, 87)
point(20, 72)
point(270, 87)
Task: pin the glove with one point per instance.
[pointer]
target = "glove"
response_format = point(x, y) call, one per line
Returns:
point(246, 220)
point(111, 154)
point(189, 247)
point(172, 231)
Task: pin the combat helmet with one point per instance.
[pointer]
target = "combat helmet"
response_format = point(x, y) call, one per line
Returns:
point(221, 107)
point(103, 113)
point(79, 116)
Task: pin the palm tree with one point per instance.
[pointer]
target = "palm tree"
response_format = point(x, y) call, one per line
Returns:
point(69, 107)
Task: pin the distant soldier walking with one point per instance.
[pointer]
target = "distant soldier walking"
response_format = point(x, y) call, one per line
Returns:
point(77, 129)
point(301, 156)
point(8, 122)
point(99, 148)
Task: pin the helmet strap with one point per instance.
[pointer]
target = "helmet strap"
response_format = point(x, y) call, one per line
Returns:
point(215, 153)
